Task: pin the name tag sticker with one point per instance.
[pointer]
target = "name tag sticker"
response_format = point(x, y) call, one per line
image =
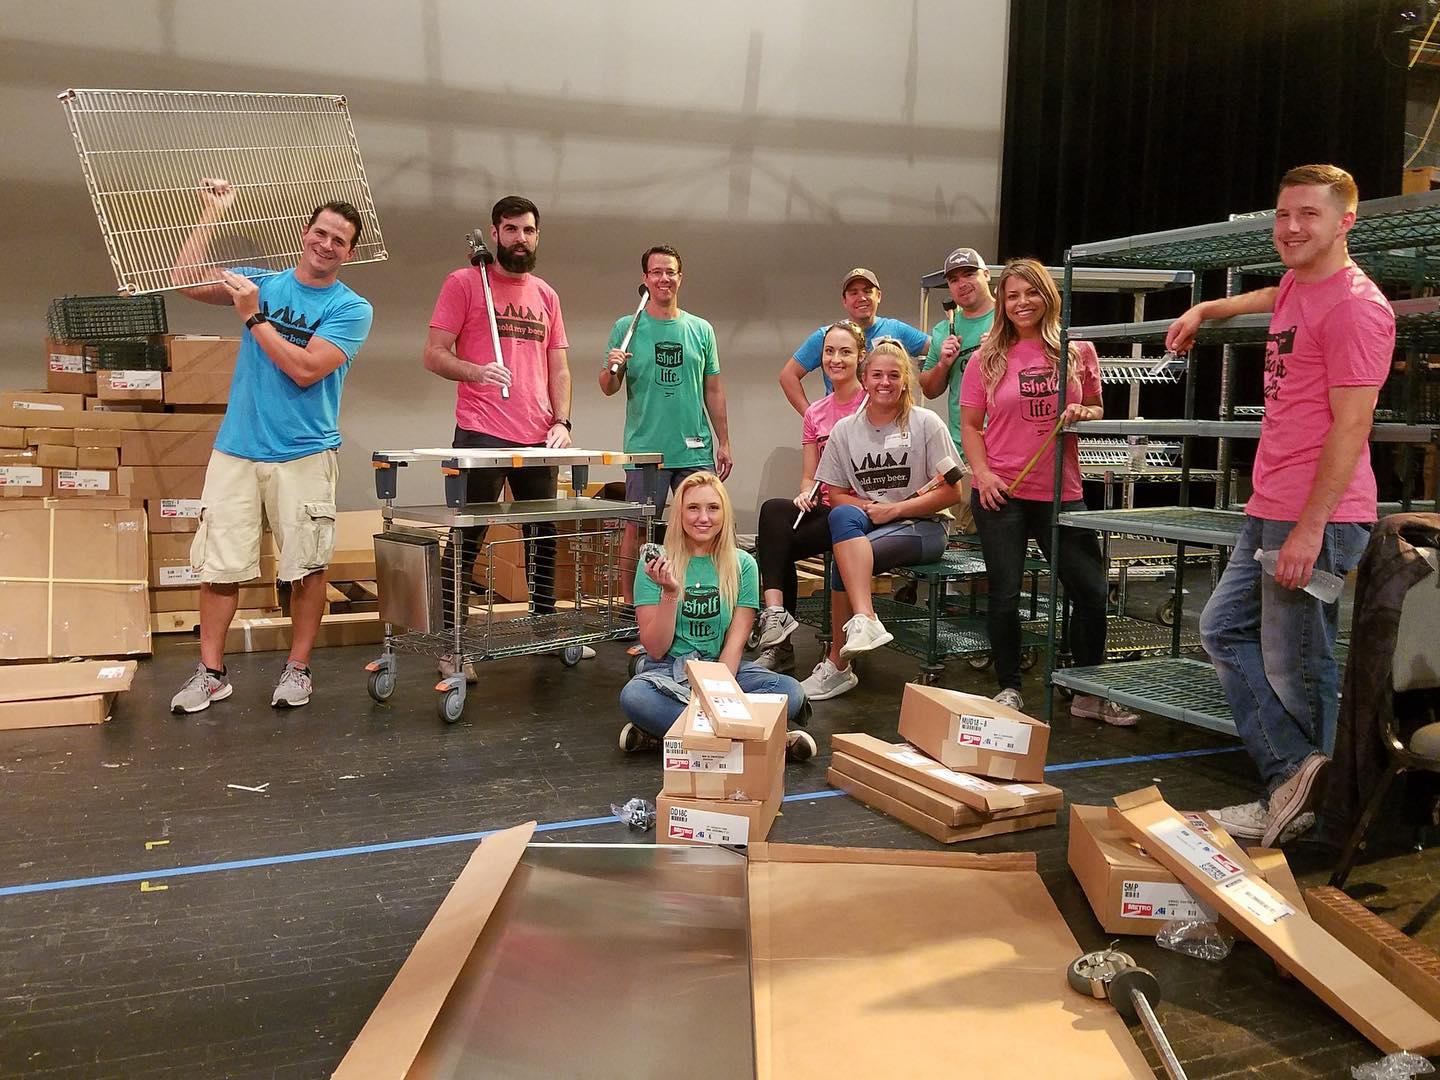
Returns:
point(897, 440)
point(694, 442)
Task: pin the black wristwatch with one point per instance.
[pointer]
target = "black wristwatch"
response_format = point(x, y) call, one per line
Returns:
point(565, 424)
point(255, 320)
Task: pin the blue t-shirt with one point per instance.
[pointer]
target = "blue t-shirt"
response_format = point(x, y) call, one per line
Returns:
point(269, 417)
point(808, 355)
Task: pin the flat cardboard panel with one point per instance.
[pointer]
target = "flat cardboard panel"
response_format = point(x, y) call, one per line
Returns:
point(902, 759)
point(1233, 886)
point(1038, 798)
point(723, 700)
point(918, 819)
point(973, 734)
point(261, 634)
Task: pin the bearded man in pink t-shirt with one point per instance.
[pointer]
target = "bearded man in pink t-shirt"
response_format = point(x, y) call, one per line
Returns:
point(1330, 345)
point(532, 365)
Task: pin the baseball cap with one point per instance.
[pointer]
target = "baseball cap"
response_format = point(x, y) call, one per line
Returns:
point(860, 272)
point(964, 258)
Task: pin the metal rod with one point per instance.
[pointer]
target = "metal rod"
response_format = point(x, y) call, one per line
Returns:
point(494, 326)
point(1151, 1023)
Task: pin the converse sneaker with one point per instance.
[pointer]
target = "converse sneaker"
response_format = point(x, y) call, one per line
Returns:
point(799, 746)
point(203, 687)
point(776, 625)
point(293, 689)
point(447, 668)
point(777, 657)
point(634, 739)
point(1010, 698)
point(1289, 800)
point(1090, 707)
point(828, 681)
point(863, 633)
point(1244, 821)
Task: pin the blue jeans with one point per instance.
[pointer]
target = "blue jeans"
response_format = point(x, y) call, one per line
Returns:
point(1274, 648)
point(654, 709)
point(907, 542)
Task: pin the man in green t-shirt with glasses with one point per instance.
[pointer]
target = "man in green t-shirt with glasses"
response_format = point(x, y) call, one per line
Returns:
point(673, 396)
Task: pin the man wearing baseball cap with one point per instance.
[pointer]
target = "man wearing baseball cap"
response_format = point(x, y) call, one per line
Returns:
point(860, 297)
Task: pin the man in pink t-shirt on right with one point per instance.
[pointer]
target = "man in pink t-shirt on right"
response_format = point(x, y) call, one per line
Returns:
point(1331, 340)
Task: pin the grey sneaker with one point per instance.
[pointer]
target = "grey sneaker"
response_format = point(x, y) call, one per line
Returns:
point(776, 625)
point(200, 690)
point(634, 739)
point(1289, 800)
point(1010, 698)
point(777, 657)
point(828, 681)
point(293, 689)
point(446, 667)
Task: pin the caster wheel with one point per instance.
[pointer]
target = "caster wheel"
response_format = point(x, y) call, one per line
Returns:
point(929, 678)
point(1029, 658)
point(906, 594)
point(381, 685)
point(753, 641)
point(632, 666)
point(1166, 614)
point(571, 656)
point(979, 663)
point(450, 706)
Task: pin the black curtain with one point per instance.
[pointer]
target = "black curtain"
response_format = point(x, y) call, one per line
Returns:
point(1129, 116)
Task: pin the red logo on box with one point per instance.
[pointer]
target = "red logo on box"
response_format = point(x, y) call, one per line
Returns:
point(1226, 864)
point(678, 764)
point(967, 739)
point(1132, 910)
point(681, 832)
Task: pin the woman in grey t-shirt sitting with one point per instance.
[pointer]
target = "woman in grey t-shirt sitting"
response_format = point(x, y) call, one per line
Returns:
point(873, 467)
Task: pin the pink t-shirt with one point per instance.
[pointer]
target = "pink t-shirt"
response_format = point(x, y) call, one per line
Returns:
point(1024, 412)
point(527, 312)
point(820, 418)
point(1336, 332)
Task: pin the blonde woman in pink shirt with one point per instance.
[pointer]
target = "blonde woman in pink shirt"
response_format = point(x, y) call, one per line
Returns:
point(1009, 406)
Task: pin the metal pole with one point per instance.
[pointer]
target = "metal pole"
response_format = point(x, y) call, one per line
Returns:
point(1057, 496)
point(494, 327)
point(1148, 1020)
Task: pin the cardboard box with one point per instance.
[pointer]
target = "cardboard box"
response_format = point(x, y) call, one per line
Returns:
point(169, 448)
point(202, 354)
point(933, 827)
point(130, 386)
point(267, 634)
point(11, 416)
point(48, 436)
point(72, 482)
point(97, 437)
point(73, 583)
point(33, 401)
point(973, 734)
point(723, 701)
point(1034, 799)
point(55, 457)
point(253, 595)
point(97, 457)
point(904, 760)
point(354, 556)
point(162, 481)
point(196, 388)
point(27, 456)
point(170, 561)
point(58, 695)
point(747, 769)
point(124, 406)
point(65, 368)
point(24, 481)
point(1233, 885)
point(172, 515)
point(892, 988)
point(12, 438)
point(698, 733)
point(679, 820)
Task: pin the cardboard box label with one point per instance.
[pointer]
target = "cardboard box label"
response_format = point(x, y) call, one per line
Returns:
point(993, 733)
point(716, 686)
point(678, 759)
point(1249, 895)
point(82, 480)
point(707, 827)
point(21, 476)
point(179, 575)
point(39, 406)
point(71, 365)
point(1019, 789)
point(179, 508)
point(702, 723)
point(1160, 900)
point(135, 380)
point(729, 708)
point(1196, 850)
point(117, 672)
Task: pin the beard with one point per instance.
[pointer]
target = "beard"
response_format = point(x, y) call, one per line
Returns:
point(513, 260)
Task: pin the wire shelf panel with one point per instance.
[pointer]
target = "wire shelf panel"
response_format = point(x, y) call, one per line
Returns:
point(1408, 267)
point(1174, 686)
point(1122, 370)
point(126, 356)
point(1191, 524)
point(106, 318)
point(144, 152)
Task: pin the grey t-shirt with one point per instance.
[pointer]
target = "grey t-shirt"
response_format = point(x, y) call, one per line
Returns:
point(886, 464)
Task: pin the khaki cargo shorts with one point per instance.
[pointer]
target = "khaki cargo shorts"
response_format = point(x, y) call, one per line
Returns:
point(296, 497)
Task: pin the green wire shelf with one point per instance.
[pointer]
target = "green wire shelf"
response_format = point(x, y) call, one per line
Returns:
point(1175, 687)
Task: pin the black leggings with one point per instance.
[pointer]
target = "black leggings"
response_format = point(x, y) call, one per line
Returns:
point(779, 544)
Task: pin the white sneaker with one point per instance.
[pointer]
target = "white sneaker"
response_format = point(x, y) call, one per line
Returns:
point(1010, 698)
point(799, 745)
point(828, 681)
point(776, 625)
point(863, 633)
point(1244, 821)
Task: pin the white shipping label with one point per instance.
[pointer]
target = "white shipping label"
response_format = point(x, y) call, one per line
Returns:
point(1019, 789)
point(21, 476)
point(40, 406)
point(72, 365)
point(135, 380)
point(717, 686)
point(1156, 900)
point(910, 757)
point(82, 479)
point(730, 708)
point(702, 724)
point(962, 780)
point(707, 827)
point(993, 733)
point(179, 575)
point(1195, 849)
point(678, 759)
point(179, 508)
point(110, 672)
point(1251, 896)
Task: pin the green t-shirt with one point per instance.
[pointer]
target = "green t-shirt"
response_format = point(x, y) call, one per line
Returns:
point(969, 331)
point(665, 387)
point(703, 618)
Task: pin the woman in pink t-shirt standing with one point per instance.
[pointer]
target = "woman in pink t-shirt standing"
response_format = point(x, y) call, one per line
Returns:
point(781, 538)
point(1009, 411)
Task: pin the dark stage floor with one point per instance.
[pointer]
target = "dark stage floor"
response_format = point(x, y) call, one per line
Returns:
point(296, 904)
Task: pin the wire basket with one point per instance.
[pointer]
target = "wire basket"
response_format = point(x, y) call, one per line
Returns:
point(106, 318)
point(126, 356)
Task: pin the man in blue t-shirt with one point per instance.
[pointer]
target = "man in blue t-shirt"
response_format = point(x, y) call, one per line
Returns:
point(860, 296)
point(275, 454)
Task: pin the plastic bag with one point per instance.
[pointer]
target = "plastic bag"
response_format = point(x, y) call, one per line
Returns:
point(1195, 937)
point(637, 813)
point(1394, 1067)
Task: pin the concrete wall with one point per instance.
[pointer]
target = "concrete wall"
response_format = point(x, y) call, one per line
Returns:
point(775, 144)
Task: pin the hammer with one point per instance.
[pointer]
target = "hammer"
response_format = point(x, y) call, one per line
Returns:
point(629, 330)
point(947, 472)
point(815, 487)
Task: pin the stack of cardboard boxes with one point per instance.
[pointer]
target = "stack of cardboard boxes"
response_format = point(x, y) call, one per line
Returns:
point(724, 763)
point(971, 767)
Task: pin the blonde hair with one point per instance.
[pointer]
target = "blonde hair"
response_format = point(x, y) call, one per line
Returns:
point(722, 548)
point(909, 381)
point(1003, 334)
point(1340, 183)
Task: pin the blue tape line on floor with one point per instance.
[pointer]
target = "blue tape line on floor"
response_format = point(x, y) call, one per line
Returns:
point(460, 838)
